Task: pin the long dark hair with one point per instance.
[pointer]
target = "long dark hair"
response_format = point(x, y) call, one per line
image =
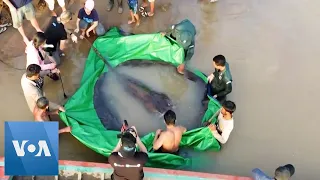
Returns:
point(38, 39)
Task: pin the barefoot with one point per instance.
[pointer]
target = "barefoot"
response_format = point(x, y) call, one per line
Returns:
point(81, 36)
point(150, 14)
point(130, 22)
point(138, 23)
point(180, 69)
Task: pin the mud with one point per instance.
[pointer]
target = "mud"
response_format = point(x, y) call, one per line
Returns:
point(272, 48)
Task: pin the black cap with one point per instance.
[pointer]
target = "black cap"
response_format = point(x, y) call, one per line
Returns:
point(284, 172)
point(128, 144)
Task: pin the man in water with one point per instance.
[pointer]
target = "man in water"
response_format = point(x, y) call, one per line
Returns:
point(32, 86)
point(224, 126)
point(184, 33)
point(168, 141)
point(281, 173)
point(220, 81)
point(57, 35)
point(41, 113)
point(125, 160)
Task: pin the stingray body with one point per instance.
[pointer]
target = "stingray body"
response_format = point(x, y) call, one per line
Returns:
point(153, 101)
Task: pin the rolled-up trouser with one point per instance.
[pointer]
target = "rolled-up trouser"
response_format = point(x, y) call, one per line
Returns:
point(52, 2)
point(99, 29)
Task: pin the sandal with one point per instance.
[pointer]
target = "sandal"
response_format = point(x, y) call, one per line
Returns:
point(5, 25)
point(3, 29)
point(141, 9)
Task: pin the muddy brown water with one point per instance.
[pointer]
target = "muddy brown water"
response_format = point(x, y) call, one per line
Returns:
point(272, 48)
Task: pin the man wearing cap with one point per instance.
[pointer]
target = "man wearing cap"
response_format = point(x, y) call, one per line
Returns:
point(281, 173)
point(111, 3)
point(57, 35)
point(184, 33)
point(125, 160)
point(88, 16)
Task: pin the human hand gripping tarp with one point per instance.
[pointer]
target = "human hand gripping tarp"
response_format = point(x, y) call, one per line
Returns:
point(82, 117)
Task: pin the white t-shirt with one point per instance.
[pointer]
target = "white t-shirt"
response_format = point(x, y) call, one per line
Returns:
point(226, 126)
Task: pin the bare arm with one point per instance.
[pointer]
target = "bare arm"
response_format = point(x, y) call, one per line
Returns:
point(117, 148)
point(183, 129)
point(78, 21)
point(94, 25)
point(158, 142)
point(9, 4)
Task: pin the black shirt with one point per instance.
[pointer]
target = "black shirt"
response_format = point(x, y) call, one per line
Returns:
point(55, 32)
point(128, 168)
point(222, 82)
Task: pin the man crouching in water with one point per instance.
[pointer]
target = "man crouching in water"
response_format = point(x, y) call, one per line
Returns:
point(42, 114)
point(168, 141)
point(224, 125)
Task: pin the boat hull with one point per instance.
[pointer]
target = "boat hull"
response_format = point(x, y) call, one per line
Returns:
point(74, 170)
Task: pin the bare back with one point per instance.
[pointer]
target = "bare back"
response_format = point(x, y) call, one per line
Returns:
point(172, 138)
point(39, 115)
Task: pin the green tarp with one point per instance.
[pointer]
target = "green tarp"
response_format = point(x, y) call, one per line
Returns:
point(82, 117)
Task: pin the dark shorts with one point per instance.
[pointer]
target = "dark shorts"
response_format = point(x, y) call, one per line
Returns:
point(133, 6)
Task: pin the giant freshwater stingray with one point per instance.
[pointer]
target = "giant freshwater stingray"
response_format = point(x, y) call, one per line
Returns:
point(154, 101)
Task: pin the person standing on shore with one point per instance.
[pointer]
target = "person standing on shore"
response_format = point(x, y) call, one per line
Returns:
point(57, 35)
point(20, 9)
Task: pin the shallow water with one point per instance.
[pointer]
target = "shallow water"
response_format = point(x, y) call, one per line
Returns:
point(186, 96)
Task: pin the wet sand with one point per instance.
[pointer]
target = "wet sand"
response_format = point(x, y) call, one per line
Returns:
point(271, 47)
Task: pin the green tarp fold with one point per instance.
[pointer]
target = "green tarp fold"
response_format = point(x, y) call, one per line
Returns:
point(80, 112)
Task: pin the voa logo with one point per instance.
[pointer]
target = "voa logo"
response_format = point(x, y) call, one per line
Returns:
point(42, 146)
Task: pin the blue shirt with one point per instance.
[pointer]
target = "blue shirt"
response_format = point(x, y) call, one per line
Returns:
point(92, 17)
point(257, 174)
point(20, 3)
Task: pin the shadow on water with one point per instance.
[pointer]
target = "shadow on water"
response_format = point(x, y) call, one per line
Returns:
point(117, 103)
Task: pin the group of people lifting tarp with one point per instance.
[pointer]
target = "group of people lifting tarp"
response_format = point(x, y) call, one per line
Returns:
point(167, 141)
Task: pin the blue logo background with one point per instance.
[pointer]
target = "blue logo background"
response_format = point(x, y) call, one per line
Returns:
point(30, 164)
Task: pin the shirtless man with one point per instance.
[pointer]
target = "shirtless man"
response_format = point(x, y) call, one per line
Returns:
point(168, 141)
point(42, 114)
